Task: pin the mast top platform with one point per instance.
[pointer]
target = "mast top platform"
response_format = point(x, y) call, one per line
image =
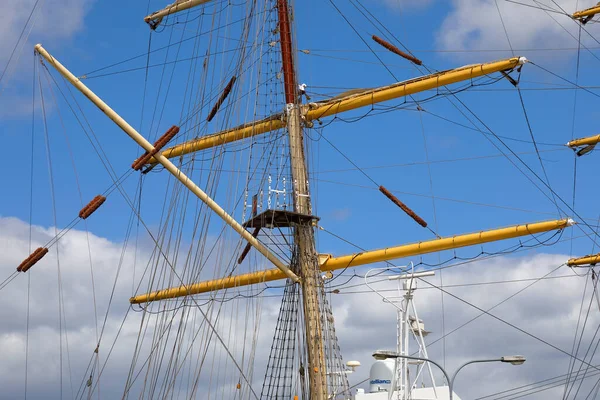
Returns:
point(280, 219)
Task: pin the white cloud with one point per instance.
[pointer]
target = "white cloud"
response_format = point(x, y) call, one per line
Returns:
point(54, 22)
point(79, 322)
point(549, 310)
point(476, 25)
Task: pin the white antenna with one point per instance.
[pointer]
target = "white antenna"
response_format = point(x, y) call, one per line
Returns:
point(408, 323)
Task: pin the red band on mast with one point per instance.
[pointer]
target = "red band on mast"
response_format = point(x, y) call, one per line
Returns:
point(289, 78)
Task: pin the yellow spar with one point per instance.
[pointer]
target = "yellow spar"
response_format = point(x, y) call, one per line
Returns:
point(412, 86)
point(584, 145)
point(368, 97)
point(586, 260)
point(588, 12)
point(586, 141)
point(330, 263)
point(227, 136)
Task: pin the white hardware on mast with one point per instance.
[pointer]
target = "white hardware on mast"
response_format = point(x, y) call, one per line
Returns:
point(408, 324)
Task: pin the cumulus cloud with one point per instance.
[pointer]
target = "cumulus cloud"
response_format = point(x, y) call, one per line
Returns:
point(76, 330)
point(69, 337)
point(476, 25)
point(54, 21)
point(549, 310)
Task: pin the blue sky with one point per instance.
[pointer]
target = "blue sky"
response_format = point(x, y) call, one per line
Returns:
point(394, 138)
point(413, 153)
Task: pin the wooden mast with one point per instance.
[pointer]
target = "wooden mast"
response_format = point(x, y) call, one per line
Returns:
point(307, 259)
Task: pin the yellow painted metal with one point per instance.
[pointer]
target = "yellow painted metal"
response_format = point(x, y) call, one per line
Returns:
point(584, 141)
point(174, 8)
point(227, 136)
point(330, 263)
point(211, 286)
point(586, 13)
point(586, 260)
point(411, 86)
point(447, 243)
point(368, 97)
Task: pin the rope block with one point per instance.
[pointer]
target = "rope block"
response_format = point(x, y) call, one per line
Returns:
point(222, 98)
point(403, 206)
point(396, 50)
point(91, 206)
point(158, 145)
point(32, 259)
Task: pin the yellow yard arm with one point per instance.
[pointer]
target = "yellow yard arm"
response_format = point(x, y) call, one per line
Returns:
point(329, 263)
point(368, 97)
point(587, 13)
point(227, 136)
point(412, 86)
point(592, 140)
point(585, 145)
point(586, 260)
point(156, 17)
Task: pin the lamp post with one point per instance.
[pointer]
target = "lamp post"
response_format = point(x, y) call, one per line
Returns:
point(384, 354)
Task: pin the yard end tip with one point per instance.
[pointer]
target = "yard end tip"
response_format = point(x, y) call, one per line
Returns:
point(571, 222)
point(523, 60)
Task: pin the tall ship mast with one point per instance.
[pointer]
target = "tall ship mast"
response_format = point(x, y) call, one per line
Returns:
point(222, 197)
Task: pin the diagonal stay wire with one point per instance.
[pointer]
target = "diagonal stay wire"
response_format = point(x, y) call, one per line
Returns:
point(536, 7)
point(565, 79)
point(594, 293)
point(128, 200)
point(537, 150)
point(497, 305)
point(554, 194)
point(571, 362)
point(575, 213)
point(575, 342)
point(524, 109)
point(514, 326)
point(12, 53)
point(362, 171)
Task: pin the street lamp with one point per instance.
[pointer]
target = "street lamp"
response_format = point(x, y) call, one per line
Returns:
point(384, 354)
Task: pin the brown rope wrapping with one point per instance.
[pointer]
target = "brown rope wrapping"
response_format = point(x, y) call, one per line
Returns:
point(92, 206)
point(32, 259)
point(219, 102)
point(248, 246)
point(158, 145)
point(403, 206)
point(396, 50)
